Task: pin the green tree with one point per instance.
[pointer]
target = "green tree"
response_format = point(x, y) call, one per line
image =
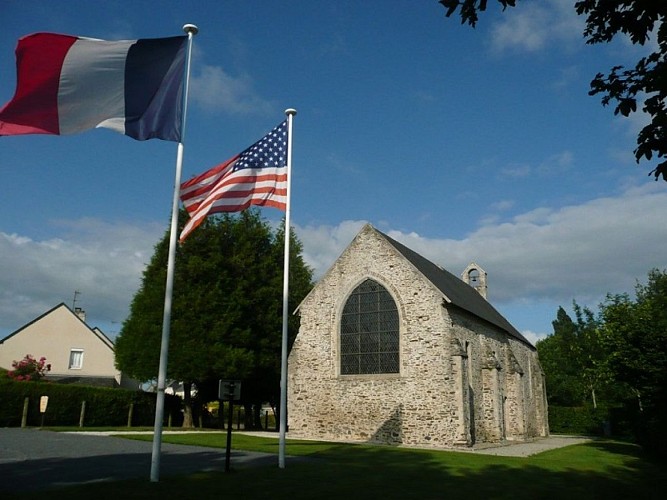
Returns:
point(636, 333)
point(226, 309)
point(560, 367)
point(646, 82)
point(574, 359)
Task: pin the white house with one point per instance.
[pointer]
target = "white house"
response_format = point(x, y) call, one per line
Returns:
point(76, 352)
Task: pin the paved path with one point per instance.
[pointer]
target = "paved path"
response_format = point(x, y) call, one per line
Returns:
point(530, 447)
point(33, 459)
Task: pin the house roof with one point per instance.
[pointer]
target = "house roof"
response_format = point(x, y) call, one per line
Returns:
point(95, 331)
point(455, 290)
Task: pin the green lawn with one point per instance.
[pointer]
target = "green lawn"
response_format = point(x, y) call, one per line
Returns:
point(600, 469)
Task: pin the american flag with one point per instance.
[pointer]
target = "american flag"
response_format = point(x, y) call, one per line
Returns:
point(257, 176)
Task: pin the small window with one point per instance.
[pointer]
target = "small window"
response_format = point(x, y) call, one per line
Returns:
point(76, 359)
point(369, 336)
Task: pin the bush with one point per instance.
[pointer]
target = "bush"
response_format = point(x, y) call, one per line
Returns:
point(105, 407)
point(29, 368)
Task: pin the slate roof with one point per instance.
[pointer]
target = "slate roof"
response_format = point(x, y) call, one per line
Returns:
point(456, 291)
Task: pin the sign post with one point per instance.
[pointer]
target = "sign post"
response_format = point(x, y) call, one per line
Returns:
point(43, 403)
point(229, 390)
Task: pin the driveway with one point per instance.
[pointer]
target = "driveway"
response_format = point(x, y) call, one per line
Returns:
point(33, 459)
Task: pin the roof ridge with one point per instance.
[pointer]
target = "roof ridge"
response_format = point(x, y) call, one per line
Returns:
point(455, 290)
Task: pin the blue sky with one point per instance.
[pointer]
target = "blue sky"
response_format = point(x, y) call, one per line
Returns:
point(466, 145)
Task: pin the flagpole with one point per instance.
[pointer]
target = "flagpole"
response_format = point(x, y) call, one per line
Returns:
point(283, 358)
point(191, 30)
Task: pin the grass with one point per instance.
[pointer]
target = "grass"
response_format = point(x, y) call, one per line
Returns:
point(600, 469)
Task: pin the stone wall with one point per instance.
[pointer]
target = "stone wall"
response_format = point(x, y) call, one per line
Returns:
point(460, 380)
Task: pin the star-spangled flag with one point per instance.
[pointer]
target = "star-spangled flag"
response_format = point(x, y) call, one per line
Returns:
point(67, 84)
point(257, 176)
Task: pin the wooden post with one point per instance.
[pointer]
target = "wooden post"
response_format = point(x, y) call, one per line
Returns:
point(24, 417)
point(129, 415)
point(228, 450)
point(83, 413)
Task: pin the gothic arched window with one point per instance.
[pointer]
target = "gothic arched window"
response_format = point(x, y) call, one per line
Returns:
point(369, 341)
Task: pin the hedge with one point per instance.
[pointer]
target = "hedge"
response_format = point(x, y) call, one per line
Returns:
point(586, 420)
point(105, 407)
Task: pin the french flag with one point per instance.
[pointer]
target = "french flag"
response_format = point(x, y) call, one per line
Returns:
point(68, 84)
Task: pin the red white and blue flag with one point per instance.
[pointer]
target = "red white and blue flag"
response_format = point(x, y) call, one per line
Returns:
point(68, 84)
point(257, 176)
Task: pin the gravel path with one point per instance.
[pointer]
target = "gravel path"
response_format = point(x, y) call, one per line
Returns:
point(531, 447)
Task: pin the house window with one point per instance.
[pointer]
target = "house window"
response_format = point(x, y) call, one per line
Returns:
point(76, 359)
point(369, 341)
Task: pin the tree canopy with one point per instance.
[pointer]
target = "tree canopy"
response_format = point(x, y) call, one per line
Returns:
point(645, 85)
point(574, 360)
point(636, 333)
point(618, 357)
point(226, 308)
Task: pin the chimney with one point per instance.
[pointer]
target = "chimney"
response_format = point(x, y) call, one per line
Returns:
point(80, 313)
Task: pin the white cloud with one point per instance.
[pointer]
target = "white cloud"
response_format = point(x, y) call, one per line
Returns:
point(574, 252)
point(214, 89)
point(542, 258)
point(323, 244)
point(553, 165)
point(578, 252)
point(502, 205)
point(515, 171)
point(102, 260)
point(532, 26)
point(557, 163)
point(567, 76)
point(533, 337)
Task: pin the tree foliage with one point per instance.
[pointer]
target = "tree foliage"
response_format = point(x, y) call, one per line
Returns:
point(226, 308)
point(618, 357)
point(636, 332)
point(645, 85)
point(574, 360)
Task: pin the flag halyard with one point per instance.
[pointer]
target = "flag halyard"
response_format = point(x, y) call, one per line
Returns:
point(256, 176)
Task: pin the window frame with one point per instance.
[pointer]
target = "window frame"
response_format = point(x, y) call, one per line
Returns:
point(72, 358)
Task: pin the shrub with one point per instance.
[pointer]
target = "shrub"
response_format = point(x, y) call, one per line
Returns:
point(29, 369)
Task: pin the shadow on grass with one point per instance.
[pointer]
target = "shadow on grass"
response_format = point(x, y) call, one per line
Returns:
point(593, 470)
point(600, 469)
point(618, 447)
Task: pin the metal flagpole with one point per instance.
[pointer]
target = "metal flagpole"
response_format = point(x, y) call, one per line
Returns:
point(283, 358)
point(191, 30)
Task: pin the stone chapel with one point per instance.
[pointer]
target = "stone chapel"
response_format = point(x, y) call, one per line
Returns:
point(394, 349)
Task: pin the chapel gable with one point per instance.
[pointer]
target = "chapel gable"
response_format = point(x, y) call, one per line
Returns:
point(393, 348)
